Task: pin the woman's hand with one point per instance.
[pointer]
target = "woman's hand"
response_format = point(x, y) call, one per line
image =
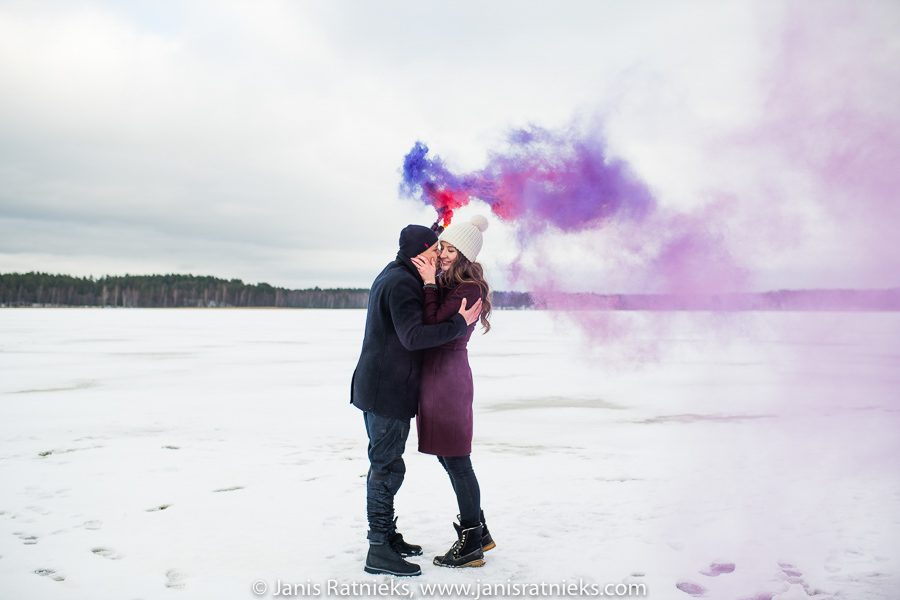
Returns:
point(427, 268)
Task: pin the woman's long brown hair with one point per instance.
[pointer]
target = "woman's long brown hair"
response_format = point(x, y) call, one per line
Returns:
point(462, 270)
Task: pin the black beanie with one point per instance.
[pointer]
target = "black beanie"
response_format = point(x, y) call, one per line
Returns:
point(416, 239)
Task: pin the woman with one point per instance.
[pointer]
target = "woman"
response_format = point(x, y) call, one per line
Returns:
point(444, 417)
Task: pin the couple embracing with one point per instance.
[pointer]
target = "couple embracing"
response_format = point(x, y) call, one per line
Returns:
point(423, 308)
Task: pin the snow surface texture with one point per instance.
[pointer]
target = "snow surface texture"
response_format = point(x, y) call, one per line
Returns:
point(188, 453)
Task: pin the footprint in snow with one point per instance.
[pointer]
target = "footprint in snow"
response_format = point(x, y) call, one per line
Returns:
point(718, 568)
point(106, 553)
point(792, 574)
point(28, 540)
point(790, 570)
point(689, 587)
point(175, 579)
point(50, 573)
point(713, 570)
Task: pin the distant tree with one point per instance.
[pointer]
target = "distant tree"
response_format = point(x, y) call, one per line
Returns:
point(170, 290)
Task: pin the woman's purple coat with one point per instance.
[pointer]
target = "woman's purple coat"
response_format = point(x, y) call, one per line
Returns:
point(444, 418)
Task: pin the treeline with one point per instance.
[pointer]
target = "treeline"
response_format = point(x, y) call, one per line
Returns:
point(172, 291)
point(164, 291)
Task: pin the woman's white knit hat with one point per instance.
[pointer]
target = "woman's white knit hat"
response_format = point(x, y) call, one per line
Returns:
point(466, 236)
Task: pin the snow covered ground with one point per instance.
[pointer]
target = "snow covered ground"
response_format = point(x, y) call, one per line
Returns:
point(190, 453)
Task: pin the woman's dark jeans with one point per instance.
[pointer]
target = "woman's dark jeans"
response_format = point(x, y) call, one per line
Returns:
point(468, 494)
point(387, 440)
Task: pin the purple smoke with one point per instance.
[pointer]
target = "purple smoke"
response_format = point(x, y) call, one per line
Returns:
point(541, 178)
point(570, 182)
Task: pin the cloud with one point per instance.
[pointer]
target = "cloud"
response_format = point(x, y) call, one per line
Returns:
point(264, 140)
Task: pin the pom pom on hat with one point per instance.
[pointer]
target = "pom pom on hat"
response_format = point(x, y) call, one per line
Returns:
point(480, 222)
point(466, 236)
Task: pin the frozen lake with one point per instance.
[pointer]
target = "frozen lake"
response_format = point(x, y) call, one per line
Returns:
point(189, 453)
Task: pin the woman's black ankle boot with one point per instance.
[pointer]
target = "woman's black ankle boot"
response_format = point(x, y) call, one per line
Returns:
point(466, 550)
point(487, 542)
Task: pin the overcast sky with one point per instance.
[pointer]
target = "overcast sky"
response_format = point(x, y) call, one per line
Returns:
point(262, 140)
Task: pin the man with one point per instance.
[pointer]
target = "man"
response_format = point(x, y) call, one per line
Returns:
point(385, 386)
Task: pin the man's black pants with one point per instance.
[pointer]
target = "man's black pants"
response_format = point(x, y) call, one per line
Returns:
point(387, 440)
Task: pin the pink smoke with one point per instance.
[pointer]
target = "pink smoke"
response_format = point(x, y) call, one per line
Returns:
point(828, 137)
point(569, 182)
point(831, 125)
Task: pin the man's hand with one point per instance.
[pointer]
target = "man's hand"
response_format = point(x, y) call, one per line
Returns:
point(427, 268)
point(470, 314)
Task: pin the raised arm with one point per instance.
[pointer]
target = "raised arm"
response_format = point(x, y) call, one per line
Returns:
point(406, 312)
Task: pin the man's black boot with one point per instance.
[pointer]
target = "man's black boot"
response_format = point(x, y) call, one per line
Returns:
point(403, 548)
point(466, 550)
point(384, 560)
